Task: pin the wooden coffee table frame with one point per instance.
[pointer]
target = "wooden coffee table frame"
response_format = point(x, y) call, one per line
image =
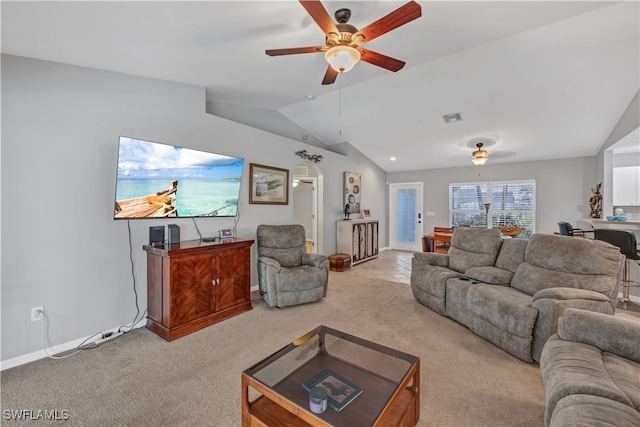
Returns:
point(275, 405)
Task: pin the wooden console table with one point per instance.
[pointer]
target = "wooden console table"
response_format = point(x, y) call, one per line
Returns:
point(193, 284)
point(358, 238)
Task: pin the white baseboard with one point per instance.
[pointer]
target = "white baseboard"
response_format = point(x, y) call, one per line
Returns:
point(60, 348)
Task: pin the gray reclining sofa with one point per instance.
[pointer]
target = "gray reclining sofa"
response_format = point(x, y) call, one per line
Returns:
point(512, 291)
point(590, 371)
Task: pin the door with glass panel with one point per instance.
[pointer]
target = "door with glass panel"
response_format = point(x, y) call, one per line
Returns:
point(405, 216)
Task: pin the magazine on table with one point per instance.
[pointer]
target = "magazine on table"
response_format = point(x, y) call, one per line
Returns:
point(340, 391)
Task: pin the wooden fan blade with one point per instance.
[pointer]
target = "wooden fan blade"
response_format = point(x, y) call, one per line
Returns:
point(320, 15)
point(294, 50)
point(329, 76)
point(398, 17)
point(380, 60)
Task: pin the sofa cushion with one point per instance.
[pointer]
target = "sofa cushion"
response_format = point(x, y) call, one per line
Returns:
point(511, 254)
point(504, 307)
point(625, 374)
point(473, 247)
point(570, 368)
point(431, 279)
point(583, 410)
point(301, 278)
point(284, 243)
point(490, 275)
point(560, 261)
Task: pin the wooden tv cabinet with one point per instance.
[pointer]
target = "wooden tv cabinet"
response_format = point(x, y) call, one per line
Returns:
point(194, 284)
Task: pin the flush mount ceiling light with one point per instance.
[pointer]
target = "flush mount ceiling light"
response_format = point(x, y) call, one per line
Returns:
point(480, 156)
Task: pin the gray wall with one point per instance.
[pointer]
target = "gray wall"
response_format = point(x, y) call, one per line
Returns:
point(563, 188)
point(60, 246)
point(302, 208)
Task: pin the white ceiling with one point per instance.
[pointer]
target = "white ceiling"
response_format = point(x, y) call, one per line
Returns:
point(534, 80)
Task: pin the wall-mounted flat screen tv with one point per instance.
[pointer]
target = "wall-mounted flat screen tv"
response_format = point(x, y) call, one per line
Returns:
point(166, 181)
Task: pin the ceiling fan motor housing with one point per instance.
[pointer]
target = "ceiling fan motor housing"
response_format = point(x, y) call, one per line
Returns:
point(343, 15)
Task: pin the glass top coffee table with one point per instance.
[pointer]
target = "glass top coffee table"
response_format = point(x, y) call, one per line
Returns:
point(367, 384)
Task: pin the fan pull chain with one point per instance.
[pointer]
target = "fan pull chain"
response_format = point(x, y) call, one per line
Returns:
point(340, 108)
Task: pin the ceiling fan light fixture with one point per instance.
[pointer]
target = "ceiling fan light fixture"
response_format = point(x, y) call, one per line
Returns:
point(480, 156)
point(342, 58)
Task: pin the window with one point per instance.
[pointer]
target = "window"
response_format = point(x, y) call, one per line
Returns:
point(508, 202)
point(406, 215)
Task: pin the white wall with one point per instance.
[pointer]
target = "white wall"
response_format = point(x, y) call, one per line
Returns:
point(61, 247)
point(629, 121)
point(563, 188)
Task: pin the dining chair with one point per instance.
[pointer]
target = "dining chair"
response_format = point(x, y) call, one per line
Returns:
point(442, 239)
point(626, 241)
point(566, 229)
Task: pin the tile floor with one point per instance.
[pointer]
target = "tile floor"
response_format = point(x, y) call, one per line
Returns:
point(390, 265)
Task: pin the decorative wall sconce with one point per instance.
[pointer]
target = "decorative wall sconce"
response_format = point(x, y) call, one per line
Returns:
point(316, 158)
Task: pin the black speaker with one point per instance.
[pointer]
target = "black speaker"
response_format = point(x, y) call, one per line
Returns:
point(156, 235)
point(174, 234)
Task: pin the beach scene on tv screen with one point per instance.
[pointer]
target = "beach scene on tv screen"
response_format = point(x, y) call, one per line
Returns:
point(160, 180)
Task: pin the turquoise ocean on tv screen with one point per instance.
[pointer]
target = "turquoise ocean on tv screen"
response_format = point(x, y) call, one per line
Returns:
point(195, 197)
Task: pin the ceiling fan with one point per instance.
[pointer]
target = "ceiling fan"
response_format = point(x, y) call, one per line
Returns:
point(343, 40)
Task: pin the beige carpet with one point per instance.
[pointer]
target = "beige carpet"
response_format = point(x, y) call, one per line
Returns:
point(141, 380)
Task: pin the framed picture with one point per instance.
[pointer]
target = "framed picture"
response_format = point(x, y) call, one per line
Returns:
point(366, 213)
point(352, 191)
point(268, 185)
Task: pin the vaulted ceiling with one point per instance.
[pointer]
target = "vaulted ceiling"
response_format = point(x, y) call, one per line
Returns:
point(531, 80)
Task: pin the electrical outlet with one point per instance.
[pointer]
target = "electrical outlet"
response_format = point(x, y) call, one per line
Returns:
point(37, 313)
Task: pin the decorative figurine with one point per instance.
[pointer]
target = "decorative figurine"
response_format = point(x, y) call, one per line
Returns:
point(347, 211)
point(595, 202)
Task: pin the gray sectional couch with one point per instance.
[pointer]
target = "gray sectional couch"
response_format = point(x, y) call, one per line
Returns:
point(511, 291)
point(590, 371)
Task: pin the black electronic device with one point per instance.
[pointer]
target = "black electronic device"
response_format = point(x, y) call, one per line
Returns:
point(156, 235)
point(174, 234)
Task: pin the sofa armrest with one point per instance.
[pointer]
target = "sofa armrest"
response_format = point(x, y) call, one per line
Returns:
point(430, 258)
point(268, 272)
point(608, 333)
point(316, 260)
point(551, 304)
point(269, 262)
point(570, 293)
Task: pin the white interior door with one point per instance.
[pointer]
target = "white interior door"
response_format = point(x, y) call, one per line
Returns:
point(405, 216)
point(305, 208)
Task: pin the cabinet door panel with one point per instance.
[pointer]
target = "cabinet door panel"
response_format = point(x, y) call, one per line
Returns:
point(191, 292)
point(234, 275)
point(372, 239)
point(626, 182)
point(362, 243)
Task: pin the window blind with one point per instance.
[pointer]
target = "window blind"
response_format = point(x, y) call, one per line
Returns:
point(511, 202)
